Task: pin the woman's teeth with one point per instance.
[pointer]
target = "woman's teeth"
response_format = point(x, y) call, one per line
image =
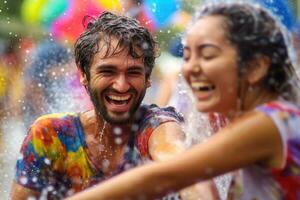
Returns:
point(202, 86)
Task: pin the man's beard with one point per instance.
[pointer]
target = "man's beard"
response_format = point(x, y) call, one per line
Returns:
point(101, 110)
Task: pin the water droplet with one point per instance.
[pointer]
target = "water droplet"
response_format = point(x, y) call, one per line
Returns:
point(105, 164)
point(34, 179)
point(23, 180)
point(20, 157)
point(145, 45)
point(135, 127)
point(117, 131)
point(50, 188)
point(118, 140)
point(31, 198)
point(47, 161)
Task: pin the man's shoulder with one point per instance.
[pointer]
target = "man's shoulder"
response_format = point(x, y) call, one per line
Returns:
point(151, 116)
point(53, 127)
point(54, 120)
point(153, 110)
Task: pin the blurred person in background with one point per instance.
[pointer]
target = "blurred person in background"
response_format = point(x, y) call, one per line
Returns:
point(47, 79)
point(10, 72)
point(135, 9)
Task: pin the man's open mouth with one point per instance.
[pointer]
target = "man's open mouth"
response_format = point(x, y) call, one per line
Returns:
point(118, 100)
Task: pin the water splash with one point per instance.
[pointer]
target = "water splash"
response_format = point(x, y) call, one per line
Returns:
point(196, 127)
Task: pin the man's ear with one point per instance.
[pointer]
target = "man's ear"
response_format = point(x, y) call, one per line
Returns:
point(82, 76)
point(148, 83)
point(257, 69)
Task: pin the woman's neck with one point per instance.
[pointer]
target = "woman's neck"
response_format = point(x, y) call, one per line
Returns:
point(254, 97)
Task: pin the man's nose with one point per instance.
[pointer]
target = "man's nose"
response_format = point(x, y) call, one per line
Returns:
point(121, 84)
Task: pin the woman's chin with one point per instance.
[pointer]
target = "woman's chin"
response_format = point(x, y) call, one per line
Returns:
point(206, 108)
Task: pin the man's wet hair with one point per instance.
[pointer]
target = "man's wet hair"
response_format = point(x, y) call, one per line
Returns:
point(130, 35)
point(255, 32)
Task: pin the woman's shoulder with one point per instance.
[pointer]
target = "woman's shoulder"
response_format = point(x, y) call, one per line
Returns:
point(285, 115)
point(280, 106)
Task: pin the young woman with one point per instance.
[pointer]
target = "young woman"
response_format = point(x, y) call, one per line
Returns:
point(236, 62)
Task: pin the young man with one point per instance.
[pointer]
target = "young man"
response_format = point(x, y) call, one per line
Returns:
point(67, 153)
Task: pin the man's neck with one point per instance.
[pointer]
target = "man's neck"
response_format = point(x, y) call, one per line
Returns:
point(108, 148)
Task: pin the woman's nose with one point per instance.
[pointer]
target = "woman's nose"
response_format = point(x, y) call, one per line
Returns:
point(192, 67)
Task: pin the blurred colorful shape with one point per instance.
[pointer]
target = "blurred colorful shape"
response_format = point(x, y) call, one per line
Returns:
point(161, 11)
point(52, 9)
point(70, 25)
point(181, 19)
point(282, 9)
point(31, 10)
point(111, 5)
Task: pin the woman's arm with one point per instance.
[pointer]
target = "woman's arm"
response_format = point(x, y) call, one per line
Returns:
point(167, 142)
point(252, 139)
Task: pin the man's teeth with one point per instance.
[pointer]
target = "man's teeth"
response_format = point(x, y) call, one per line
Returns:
point(119, 98)
point(202, 86)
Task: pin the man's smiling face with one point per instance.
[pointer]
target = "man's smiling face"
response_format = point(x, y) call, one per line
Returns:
point(117, 84)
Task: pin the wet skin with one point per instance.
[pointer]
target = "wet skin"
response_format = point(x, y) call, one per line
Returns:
point(210, 66)
point(117, 85)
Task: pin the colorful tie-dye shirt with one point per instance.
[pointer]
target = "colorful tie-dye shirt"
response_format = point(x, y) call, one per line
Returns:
point(54, 159)
point(258, 183)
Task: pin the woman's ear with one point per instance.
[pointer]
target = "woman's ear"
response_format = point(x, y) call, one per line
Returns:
point(257, 69)
point(82, 76)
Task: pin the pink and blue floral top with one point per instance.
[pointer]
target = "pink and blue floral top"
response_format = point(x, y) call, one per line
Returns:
point(258, 183)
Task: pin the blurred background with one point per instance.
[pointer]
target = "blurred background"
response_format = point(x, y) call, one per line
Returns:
point(37, 70)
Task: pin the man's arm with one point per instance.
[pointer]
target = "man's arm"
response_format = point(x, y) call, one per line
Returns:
point(19, 192)
point(166, 142)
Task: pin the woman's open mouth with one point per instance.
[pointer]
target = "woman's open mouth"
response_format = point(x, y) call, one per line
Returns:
point(202, 90)
point(202, 86)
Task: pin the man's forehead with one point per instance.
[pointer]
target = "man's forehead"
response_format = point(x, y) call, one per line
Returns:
point(112, 47)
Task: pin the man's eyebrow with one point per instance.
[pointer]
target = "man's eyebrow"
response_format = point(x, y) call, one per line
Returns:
point(105, 66)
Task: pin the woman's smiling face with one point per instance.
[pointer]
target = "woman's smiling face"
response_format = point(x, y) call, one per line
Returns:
point(210, 66)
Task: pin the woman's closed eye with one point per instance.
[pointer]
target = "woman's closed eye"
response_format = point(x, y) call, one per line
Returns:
point(210, 52)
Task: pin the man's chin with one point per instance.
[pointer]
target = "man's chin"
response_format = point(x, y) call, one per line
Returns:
point(118, 118)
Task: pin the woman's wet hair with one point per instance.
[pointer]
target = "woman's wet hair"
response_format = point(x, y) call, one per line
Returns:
point(103, 30)
point(255, 32)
